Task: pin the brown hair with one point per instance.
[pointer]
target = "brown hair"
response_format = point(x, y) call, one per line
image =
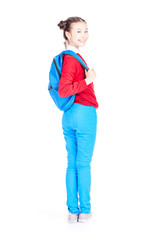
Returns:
point(66, 25)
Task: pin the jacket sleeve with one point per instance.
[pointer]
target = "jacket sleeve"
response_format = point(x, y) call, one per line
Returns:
point(67, 84)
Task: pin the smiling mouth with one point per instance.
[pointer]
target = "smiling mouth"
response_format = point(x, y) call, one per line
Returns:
point(82, 41)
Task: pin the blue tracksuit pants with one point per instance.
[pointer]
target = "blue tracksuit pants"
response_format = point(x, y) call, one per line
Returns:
point(79, 125)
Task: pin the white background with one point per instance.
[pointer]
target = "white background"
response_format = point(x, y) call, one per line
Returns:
point(124, 49)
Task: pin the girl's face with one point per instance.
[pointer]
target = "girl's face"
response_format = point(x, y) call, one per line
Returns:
point(78, 35)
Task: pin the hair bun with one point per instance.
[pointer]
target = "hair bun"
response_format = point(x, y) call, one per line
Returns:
point(62, 25)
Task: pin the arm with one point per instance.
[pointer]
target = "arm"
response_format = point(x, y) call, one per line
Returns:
point(67, 85)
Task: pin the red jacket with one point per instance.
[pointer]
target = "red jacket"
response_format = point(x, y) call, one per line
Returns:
point(72, 82)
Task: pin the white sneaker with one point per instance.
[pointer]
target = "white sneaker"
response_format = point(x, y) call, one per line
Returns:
point(84, 217)
point(72, 218)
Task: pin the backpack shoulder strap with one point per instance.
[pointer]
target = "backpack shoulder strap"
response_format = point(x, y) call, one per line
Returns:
point(70, 52)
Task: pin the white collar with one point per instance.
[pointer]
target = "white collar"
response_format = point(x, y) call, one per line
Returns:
point(69, 47)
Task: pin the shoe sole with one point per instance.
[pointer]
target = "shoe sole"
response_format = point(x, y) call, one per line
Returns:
point(75, 221)
point(72, 222)
point(84, 221)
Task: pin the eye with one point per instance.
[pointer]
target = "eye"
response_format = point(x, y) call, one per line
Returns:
point(86, 31)
point(78, 31)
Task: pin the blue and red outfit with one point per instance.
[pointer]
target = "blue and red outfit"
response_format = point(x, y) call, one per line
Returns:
point(79, 125)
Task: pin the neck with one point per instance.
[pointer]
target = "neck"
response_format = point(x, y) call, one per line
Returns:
point(70, 44)
point(73, 48)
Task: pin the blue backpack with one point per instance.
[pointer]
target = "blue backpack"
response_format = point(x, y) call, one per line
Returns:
point(54, 76)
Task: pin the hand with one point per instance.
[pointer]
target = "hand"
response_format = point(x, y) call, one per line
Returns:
point(90, 76)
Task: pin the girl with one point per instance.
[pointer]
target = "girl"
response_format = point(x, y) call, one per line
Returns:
point(79, 123)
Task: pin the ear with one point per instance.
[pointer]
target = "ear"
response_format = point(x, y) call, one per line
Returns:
point(68, 35)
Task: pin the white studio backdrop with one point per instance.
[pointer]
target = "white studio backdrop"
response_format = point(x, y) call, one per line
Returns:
point(124, 49)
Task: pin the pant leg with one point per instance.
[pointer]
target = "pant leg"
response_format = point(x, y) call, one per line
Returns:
point(71, 172)
point(86, 136)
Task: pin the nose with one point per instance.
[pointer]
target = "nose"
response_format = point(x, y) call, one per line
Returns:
point(84, 35)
